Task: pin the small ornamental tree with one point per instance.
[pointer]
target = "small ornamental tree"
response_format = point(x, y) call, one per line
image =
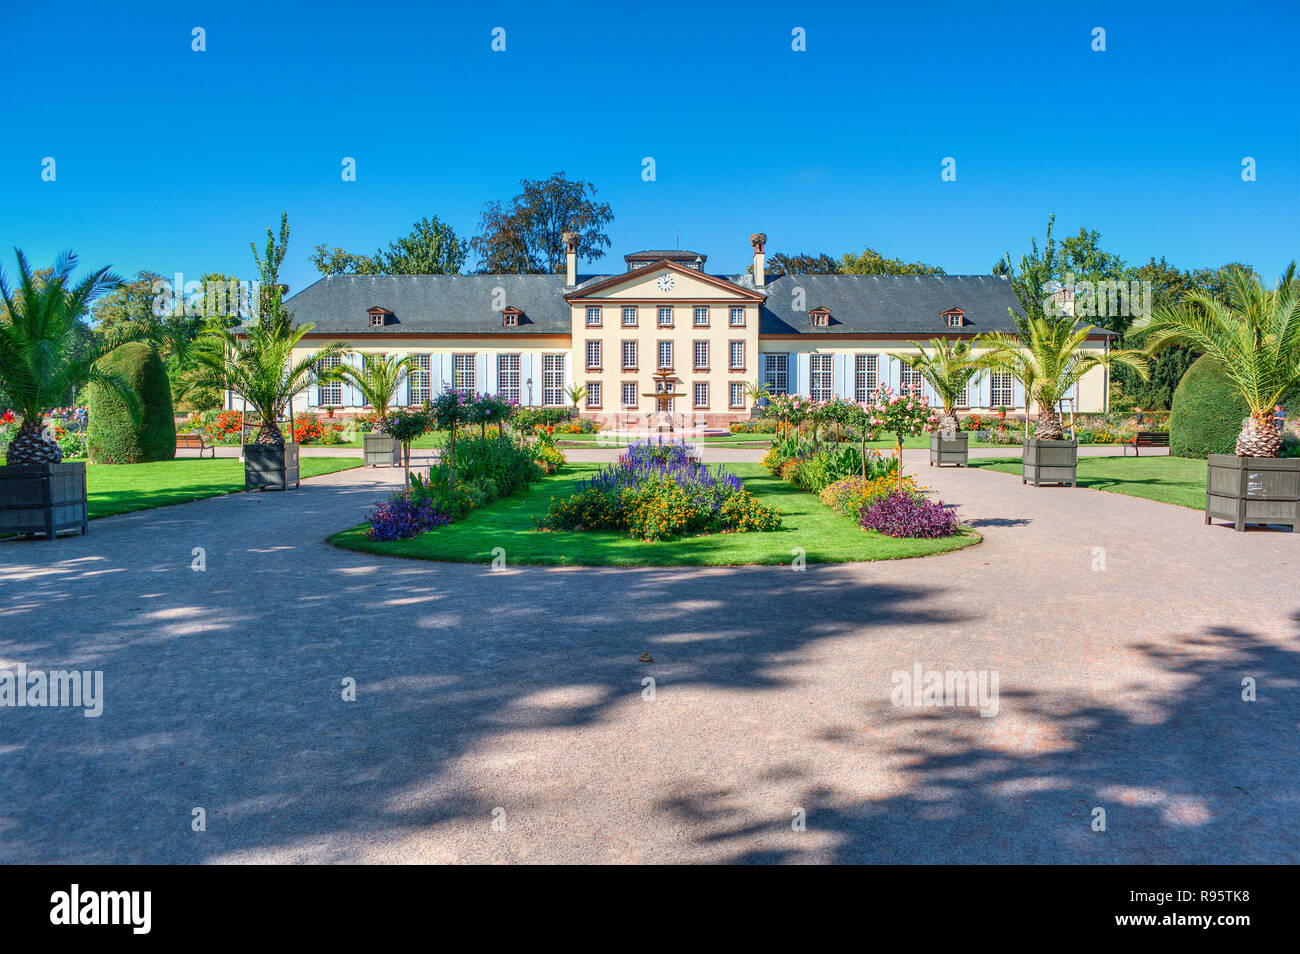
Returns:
point(405, 426)
point(490, 409)
point(790, 410)
point(448, 411)
point(902, 415)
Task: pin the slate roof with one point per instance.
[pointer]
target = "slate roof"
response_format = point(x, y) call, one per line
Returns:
point(463, 304)
point(895, 304)
point(452, 304)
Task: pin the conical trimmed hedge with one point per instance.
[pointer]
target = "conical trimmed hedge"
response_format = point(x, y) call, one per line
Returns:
point(114, 437)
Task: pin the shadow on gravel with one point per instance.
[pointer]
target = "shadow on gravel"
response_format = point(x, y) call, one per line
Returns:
point(1206, 778)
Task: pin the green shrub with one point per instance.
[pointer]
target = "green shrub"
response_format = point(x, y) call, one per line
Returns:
point(1208, 411)
point(527, 418)
point(115, 435)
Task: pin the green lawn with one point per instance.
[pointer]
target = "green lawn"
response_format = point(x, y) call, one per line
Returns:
point(122, 488)
point(823, 534)
point(1171, 480)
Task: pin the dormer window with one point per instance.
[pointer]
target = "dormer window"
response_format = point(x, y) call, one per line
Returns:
point(954, 318)
point(510, 317)
point(378, 316)
point(820, 316)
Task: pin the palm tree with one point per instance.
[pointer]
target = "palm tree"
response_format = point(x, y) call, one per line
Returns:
point(42, 358)
point(758, 391)
point(949, 370)
point(378, 379)
point(576, 393)
point(1254, 336)
point(259, 366)
point(1048, 362)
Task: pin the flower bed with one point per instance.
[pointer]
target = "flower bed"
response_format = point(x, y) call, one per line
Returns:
point(850, 496)
point(658, 491)
point(902, 515)
point(487, 468)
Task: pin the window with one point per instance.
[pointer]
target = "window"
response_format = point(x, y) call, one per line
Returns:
point(593, 354)
point(593, 394)
point(329, 393)
point(819, 387)
point(629, 394)
point(1001, 389)
point(909, 379)
point(701, 316)
point(665, 317)
point(955, 318)
point(737, 394)
point(776, 373)
point(376, 319)
point(963, 399)
point(462, 373)
point(701, 352)
point(629, 317)
point(510, 317)
point(508, 377)
point(737, 317)
point(865, 380)
point(593, 316)
point(417, 380)
point(820, 316)
point(701, 394)
point(736, 355)
point(629, 355)
point(665, 354)
point(553, 380)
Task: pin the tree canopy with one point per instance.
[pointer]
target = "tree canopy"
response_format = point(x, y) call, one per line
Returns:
point(525, 236)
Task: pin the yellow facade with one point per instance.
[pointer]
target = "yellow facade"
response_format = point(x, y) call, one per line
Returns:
point(620, 339)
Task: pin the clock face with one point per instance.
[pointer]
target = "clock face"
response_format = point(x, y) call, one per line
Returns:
point(665, 283)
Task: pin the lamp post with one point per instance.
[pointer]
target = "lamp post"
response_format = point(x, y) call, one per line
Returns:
point(530, 391)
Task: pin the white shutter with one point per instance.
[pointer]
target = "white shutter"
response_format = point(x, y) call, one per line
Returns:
point(839, 379)
point(481, 382)
point(351, 394)
point(802, 368)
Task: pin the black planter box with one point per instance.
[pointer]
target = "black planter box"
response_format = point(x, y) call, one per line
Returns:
point(382, 449)
point(44, 499)
point(949, 449)
point(1050, 462)
point(270, 468)
point(1258, 490)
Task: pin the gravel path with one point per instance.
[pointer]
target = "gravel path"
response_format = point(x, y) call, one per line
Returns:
point(1120, 629)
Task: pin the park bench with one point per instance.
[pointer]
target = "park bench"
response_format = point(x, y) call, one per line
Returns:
point(194, 442)
point(1147, 439)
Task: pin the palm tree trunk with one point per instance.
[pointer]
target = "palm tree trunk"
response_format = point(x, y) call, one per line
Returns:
point(1259, 436)
point(1049, 425)
point(269, 433)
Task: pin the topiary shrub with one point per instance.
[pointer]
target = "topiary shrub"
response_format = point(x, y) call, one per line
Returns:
point(115, 435)
point(1207, 412)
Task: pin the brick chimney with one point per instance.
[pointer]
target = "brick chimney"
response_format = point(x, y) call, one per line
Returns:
point(570, 258)
point(758, 240)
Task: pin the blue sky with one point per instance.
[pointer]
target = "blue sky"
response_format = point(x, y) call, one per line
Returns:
point(173, 160)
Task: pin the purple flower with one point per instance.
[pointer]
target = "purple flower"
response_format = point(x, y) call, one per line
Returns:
point(900, 515)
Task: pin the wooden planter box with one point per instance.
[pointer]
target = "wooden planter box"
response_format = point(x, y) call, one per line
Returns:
point(382, 450)
point(1050, 462)
point(270, 468)
point(43, 499)
point(948, 449)
point(1252, 490)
